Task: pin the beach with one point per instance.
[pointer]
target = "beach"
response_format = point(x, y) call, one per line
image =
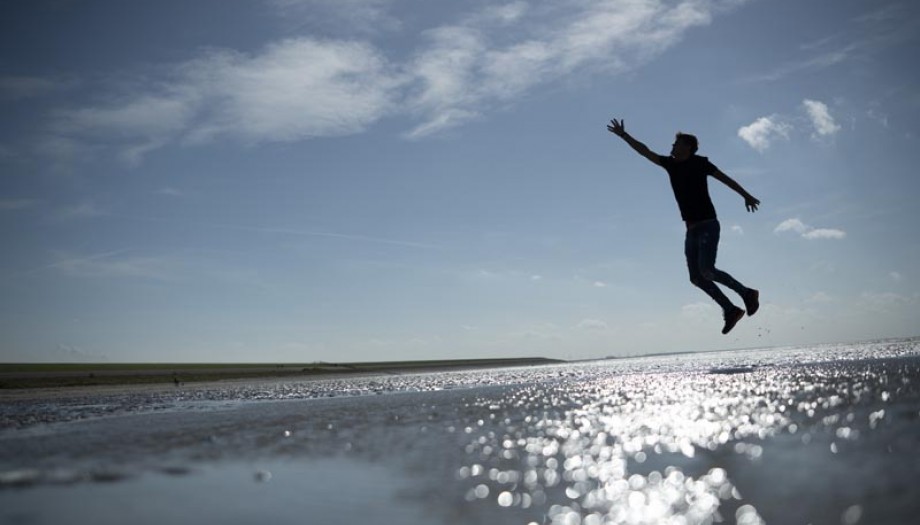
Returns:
point(817, 434)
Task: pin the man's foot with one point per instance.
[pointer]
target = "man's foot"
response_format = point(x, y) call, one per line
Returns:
point(751, 301)
point(731, 319)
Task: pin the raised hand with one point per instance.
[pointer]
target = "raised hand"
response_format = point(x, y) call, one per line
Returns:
point(751, 203)
point(617, 127)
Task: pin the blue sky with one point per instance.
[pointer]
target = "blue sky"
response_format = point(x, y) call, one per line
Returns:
point(348, 180)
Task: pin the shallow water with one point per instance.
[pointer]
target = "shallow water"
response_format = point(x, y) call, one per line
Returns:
point(825, 434)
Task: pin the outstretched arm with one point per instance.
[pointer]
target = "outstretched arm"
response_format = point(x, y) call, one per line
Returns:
point(617, 127)
point(749, 201)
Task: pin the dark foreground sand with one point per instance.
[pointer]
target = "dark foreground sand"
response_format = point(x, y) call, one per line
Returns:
point(810, 435)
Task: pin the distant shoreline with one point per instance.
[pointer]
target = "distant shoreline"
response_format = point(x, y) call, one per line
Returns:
point(18, 376)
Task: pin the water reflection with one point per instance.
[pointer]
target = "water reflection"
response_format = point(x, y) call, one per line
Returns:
point(578, 457)
point(727, 437)
point(650, 448)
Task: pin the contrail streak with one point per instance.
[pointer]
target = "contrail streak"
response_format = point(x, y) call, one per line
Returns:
point(295, 232)
point(65, 262)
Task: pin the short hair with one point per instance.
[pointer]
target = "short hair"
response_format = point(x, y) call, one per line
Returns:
point(689, 140)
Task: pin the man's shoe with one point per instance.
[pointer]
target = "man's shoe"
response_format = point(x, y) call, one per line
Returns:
point(731, 319)
point(751, 301)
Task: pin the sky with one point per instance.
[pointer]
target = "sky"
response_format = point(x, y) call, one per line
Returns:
point(354, 180)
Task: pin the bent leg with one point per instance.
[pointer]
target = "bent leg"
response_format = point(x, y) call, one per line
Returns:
point(723, 278)
point(695, 245)
point(709, 247)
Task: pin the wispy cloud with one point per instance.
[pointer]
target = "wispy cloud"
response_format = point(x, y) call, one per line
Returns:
point(592, 325)
point(17, 88)
point(117, 264)
point(291, 231)
point(292, 90)
point(807, 232)
point(65, 260)
point(351, 16)
point(168, 191)
point(761, 133)
point(867, 36)
point(345, 236)
point(85, 210)
point(499, 54)
point(698, 311)
point(820, 60)
point(821, 118)
point(887, 301)
point(306, 87)
point(820, 297)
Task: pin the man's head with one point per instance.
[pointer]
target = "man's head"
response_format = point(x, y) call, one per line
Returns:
point(685, 145)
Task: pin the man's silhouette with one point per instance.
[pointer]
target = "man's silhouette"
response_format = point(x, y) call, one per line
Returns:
point(688, 173)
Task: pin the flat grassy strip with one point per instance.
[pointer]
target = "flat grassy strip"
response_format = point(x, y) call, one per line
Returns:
point(128, 367)
point(47, 375)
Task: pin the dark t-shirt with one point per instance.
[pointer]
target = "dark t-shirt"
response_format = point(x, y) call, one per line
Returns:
point(688, 180)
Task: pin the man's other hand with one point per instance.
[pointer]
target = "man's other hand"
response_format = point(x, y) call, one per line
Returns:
point(751, 203)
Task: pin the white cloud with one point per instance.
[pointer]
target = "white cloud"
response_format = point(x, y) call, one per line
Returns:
point(821, 118)
point(764, 131)
point(306, 87)
point(592, 324)
point(445, 73)
point(895, 276)
point(507, 13)
point(295, 89)
point(791, 225)
point(807, 232)
point(292, 90)
point(499, 54)
point(600, 284)
point(761, 133)
point(738, 229)
point(824, 233)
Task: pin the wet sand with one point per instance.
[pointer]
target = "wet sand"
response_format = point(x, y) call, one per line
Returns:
point(823, 434)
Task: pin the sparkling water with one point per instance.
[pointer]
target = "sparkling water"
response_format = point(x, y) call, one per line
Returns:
point(821, 434)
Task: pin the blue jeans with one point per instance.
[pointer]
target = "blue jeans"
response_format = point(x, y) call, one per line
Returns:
point(700, 247)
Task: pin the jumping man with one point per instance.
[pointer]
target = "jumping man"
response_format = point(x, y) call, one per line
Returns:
point(688, 172)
